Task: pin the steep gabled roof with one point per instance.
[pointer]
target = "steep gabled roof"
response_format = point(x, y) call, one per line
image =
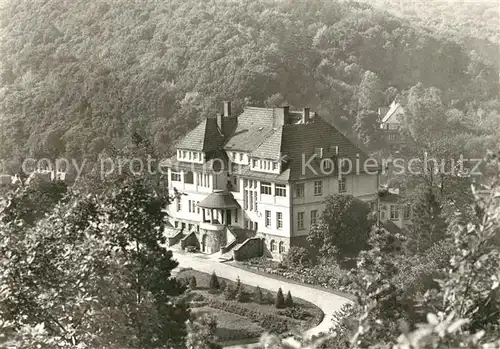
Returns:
point(394, 110)
point(261, 132)
point(300, 141)
point(254, 125)
point(271, 147)
point(205, 137)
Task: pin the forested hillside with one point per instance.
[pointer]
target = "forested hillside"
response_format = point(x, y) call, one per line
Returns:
point(77, 76)
point(474, 23)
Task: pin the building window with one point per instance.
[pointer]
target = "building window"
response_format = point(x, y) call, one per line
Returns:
point(176, 176)
point(342, 185)
point(407, 212)
point(275, 166)
point(281, 190)
point(394, 212)
point(235, 216)
point(265, 188)
point(203, 179)
point(273, 245)
point(281, 247)
point(268, 218)
point(300, 220)
point(279, 220)
point(299, 190)
point(184, 154)
point(176, 224)
point(197, 207)
point(314, 216)
point(255, 201)
point(254, 163)
point(392, 136)
point(179, 206)
point(241, 157)
point(196, 155)
point(318, 188)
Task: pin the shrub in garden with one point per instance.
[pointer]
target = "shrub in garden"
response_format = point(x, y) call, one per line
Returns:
point(192, 283)
point(222, 285)
point(229, 292)
point(289, 300)
point(241, 294)
point(214, 284)
point(296, 313)
point(280, 300)
point(297, 257)
point(270, 298)
point(258, 297)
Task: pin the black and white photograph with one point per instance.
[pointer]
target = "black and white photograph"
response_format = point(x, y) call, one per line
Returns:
point(249, 174)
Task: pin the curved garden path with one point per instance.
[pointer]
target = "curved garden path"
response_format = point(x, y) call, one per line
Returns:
point(328, 302)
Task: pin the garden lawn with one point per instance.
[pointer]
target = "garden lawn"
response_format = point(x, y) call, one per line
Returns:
point(231, 326)
point(302, 316)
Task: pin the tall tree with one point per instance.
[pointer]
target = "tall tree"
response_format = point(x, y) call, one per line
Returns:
point(428, 224)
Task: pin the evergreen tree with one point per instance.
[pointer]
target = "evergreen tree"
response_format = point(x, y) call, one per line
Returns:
point(289, 300)
point(280, 300)
point(428, 224)
point(214, 284)
point(192, 283)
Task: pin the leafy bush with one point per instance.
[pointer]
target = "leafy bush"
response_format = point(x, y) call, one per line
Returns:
point(296, 313)
point(297, 256)
point(258, 296)
point(270, 298)
point(229, 292)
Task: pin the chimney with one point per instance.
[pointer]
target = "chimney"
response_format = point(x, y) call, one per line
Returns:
point(281, 116)
point(227, 109)
point(305, 115)
point(220, 123)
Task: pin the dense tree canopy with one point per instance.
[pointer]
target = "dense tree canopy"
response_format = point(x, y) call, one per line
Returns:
point(76, 78)
point(343, 227)
point(92, 273)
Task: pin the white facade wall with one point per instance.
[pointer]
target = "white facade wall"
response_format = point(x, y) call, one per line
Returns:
point(363, 186)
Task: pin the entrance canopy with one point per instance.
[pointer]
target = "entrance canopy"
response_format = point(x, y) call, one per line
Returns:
point(219, 200)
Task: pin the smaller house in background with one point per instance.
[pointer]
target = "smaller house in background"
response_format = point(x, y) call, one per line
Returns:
point(390, 123)
point(392, 208)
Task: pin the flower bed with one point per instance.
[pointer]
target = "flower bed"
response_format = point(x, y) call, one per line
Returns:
point(302, 316)
point(324, 275)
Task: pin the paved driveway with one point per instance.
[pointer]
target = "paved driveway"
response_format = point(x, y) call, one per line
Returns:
point(329, 303)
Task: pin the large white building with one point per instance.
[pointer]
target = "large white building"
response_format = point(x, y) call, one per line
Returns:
point(264, 174)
